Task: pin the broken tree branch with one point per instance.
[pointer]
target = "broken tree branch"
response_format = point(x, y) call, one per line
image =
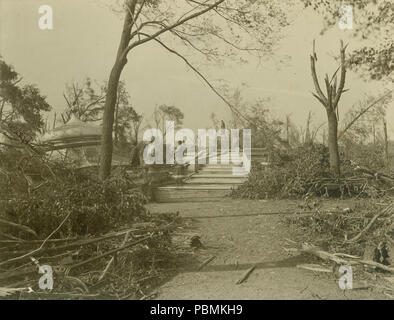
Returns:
point(18, 226)
point(110, 262)
point(246, 275)
point(388, 209)
point(27, 255)
point(362, 112)
point(202, 265)
point(332, 257)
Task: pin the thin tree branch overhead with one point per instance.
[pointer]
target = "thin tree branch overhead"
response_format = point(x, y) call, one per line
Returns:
point(173, 26)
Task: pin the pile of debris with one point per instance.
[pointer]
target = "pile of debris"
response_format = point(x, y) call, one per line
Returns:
point(118, 265)
point(355, 180)
point(361, 237)
point(368, 182)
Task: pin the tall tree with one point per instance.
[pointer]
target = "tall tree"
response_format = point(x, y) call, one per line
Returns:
point(136, 121)
point(164, 113)
point(241, 25)
point(330, 102)
point(266, 130)
point(127, 126)
point(86, 103)
point(20, 105)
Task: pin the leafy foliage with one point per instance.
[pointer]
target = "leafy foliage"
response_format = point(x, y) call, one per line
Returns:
point(375, 22)
point(292, 173)
point(377, 62)
point(165, 113)
point(266, 130)
point(94, 206)
point(19, 103)
point(86, 103)
point(370, 156)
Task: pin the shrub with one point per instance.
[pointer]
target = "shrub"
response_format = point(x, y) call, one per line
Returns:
point(93, 206)
point(291, 173)
point(370, 156)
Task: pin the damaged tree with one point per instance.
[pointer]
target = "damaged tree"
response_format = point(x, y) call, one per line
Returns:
point(198, 26)
point(330, 103)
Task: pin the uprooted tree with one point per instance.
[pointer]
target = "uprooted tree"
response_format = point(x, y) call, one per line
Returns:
point(330, 102)
point(212, 28)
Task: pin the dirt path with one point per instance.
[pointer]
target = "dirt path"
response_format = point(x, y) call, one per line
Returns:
point(239, 242)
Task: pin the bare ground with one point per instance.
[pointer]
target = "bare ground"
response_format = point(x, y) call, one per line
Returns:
point(243, 233)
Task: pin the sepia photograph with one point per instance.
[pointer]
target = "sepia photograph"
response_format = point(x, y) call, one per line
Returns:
point(206, 151)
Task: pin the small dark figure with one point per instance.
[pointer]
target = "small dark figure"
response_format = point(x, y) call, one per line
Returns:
point(381, 254)
point(195, 242)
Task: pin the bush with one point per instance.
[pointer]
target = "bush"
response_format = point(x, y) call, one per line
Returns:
point(370, 156)
point(93, 206)
point(291, 173)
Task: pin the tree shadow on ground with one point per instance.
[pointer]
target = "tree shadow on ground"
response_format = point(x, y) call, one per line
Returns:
point(284, 263)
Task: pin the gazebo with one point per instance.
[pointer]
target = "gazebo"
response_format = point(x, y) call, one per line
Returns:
point(70, 141)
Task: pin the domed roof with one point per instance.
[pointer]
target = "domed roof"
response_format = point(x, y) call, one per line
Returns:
point(74, 128)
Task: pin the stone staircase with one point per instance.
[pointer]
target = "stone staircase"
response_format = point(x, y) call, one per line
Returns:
point(212, 182)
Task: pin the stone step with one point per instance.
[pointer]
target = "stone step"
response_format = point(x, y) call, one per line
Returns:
point(216, 175)
point(230, 181)
point(219, 173)
point(218, 170)
point(211, 183)
point(215, 171)
point(225, 163)
point(220, 166)
point(192, 193)
point(230, 161)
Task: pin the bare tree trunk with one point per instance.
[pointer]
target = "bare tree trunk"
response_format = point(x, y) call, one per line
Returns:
point(116, 122)
point(287, 128)
point(386, 144)
point(108, 120)
point(333, 142)
point(54, 122)
point(136, 130)
point(374, 134)
point(1, 109)
point(111, 98)
point(330, 103)
point(307, 130)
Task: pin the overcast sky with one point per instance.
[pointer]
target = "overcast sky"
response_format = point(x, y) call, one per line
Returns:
point(85, 39)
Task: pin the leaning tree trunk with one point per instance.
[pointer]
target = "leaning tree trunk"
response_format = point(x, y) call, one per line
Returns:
point(108, 121)
point(116, 126)
point(333, 142)
point(112, 90)
point(386, 145)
